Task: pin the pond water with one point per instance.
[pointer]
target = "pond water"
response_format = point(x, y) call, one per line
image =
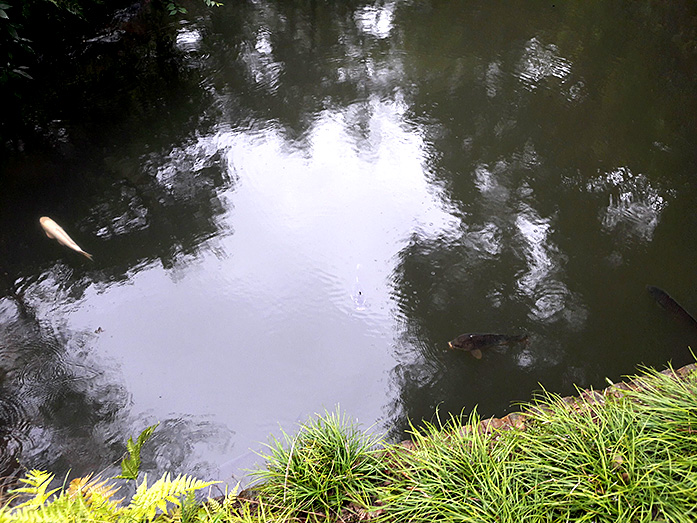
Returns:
point(323, 197)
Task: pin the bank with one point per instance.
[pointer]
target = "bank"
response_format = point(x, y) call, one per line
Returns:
point(625, 453)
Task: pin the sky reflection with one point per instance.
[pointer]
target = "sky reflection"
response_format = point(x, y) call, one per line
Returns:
point(263, 326)
point(325, 196)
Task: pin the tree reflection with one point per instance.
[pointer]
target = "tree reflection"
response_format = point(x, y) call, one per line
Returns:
point(515, 107)
point(540, 118)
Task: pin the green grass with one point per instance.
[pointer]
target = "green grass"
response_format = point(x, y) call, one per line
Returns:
point(326, 466)
point(630, 458)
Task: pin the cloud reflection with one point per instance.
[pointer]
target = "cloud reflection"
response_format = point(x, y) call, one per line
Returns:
point(542, 282)
point(376, 20)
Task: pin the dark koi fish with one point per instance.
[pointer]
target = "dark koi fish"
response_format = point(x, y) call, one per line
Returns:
point(474, 343)
point(672, 306)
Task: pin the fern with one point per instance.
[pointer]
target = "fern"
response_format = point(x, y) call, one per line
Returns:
point(146, 501)
point(96, 493)
point(130, 466)
point(91, 500)
point(189, 508)
point(37, 481)
point(62, 509)
point(39, 508)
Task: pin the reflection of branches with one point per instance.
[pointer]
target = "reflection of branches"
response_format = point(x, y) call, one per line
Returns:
point(64, 409)
point(66, 403)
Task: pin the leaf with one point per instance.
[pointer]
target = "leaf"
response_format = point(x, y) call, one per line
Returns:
point(146, 501)
point(3, 14)
point(130, 466)
point(97, 493)
point(37, 481)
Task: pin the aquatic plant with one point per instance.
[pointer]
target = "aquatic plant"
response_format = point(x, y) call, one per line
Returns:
point(328, 464)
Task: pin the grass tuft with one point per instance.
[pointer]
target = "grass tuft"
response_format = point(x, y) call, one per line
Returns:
point(328, 464)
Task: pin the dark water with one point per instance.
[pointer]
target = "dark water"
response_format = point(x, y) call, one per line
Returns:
point(306, 201)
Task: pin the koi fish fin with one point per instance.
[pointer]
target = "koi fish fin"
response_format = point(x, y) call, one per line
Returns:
point(476, 353)
point(87, 255)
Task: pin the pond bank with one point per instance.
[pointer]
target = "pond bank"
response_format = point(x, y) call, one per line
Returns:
point(626, 453)
point(585, 398)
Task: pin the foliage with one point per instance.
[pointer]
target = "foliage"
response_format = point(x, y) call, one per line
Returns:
point(130, 466)
point(173, 8)
point(147, 501)
point(91, 500)
point(20, 20)
point(629, 458)
point(88, 499)
point(12, 45)
point(328, 464)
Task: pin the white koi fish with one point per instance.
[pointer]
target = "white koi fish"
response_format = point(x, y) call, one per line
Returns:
point(56, 232)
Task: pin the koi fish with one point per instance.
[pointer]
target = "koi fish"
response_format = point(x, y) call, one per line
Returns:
point(56, 232)
point(474, 343)
point(672, 306)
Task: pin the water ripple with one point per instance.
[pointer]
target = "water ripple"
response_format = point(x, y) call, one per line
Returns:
point(539, 62)
point(259, 61)
point(634, 204)
point(542, 281)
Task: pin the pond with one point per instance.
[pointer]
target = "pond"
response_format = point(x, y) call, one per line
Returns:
point(322, 195)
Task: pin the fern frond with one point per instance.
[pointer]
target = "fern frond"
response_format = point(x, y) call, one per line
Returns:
point(146, 501)
point(214, 505)
point(37, 481)
point(97, 493)
point(63, 508)
point(130, 466)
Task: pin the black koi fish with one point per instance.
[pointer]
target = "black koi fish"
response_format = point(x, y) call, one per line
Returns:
point(474, 343)
point(672, 306)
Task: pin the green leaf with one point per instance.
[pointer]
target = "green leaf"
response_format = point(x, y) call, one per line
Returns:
point(3, 14)
point(147, 500)
point(130, 466)
point(37, 482)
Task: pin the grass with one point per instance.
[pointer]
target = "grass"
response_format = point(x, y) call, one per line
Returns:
point(631, 457)
point(326, 466)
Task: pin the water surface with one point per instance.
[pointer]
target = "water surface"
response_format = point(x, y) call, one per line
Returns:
point(332, 193)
